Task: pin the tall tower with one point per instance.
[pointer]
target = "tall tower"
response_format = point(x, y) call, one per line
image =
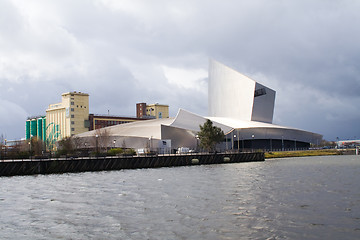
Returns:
point(234, 95)
point(69, 117)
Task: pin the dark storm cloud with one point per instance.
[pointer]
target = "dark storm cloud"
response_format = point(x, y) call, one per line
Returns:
point(119, 52)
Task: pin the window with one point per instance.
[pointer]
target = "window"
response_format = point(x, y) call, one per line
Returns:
point(260, 92)
point(72, 129)
point(72, 122)
point(72, 116)
point(72, 103)
point(72, 109)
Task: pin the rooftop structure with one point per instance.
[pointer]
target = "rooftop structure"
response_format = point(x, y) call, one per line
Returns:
point(240, 106)
point(155, 110)
point(234, 95)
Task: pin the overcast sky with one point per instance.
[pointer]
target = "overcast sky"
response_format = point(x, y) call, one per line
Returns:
point(126, 51)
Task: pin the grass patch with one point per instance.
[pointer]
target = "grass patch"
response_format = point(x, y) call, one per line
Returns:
point(306, 153)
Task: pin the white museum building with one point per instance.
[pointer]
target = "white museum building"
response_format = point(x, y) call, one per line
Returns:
point(237, 104)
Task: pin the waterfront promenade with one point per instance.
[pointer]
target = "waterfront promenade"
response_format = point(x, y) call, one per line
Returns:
point(64, 165)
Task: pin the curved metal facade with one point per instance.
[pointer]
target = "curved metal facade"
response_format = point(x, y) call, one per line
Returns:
point(234, 95)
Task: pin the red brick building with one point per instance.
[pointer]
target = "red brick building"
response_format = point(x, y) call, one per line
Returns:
point(100, 121)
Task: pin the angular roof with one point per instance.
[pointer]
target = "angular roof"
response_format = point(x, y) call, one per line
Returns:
point(191, 122)
point(145, 129)
point(234, 95)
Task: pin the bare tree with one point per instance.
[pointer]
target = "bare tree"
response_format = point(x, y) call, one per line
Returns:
point(66, 146)
point(2, 146)
point(77, 143)
point(101, 140)
point(123, 144)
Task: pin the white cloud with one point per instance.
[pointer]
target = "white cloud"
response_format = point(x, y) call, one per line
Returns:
point(187, 78)
point(122, 52)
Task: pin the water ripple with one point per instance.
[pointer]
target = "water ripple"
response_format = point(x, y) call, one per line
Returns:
point(300, 198)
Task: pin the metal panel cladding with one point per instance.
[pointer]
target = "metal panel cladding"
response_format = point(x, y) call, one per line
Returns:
point(231, 94)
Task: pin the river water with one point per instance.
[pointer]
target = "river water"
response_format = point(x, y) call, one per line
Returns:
point(293, 198)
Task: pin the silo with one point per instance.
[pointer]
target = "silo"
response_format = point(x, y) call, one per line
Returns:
point(27, 129)
point(39, 128)
point(44, 129)
point(33, 127)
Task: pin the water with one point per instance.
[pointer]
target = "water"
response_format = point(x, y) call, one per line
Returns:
point(294, 198)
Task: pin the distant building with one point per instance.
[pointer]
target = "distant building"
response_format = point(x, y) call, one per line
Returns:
point(141, 110)
point(152, 111)
point(100, 121)
point(69, 117)
point(35, 127)
point(240, 106)
point(348, 143)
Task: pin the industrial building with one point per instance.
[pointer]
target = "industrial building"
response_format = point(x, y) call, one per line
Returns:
point(239, 105)
point(100, 121)
point(35, 127)
point(67, 118)
point(71, 116)
point(152, 111)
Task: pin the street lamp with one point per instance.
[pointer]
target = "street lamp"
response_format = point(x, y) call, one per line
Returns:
point(150, 143)
point(5, 150)
point(30, 148)
point(252, 143)
point(114, 142)
point(197, 142)
point(238, 140)
point(232, 141)
point(97, 149)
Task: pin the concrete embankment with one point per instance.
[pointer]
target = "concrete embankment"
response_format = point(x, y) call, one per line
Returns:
point(48, 166)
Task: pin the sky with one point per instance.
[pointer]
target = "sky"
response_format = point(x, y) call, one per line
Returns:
point(123, 52)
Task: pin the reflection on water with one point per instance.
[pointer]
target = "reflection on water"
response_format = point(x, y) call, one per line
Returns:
point(298, 198)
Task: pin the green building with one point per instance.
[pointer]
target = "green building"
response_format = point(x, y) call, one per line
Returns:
point(36, 127)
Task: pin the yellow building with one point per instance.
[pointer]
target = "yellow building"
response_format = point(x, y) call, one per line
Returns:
point(67, 118)
point(157, 110)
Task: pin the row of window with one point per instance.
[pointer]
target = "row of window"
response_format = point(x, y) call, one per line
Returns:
point(104, 122)
point(72, 103)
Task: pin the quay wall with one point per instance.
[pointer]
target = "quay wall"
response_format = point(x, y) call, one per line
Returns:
point(50, 166)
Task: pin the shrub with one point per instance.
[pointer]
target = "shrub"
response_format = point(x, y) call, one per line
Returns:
point(130, 152)
point(115, 151)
